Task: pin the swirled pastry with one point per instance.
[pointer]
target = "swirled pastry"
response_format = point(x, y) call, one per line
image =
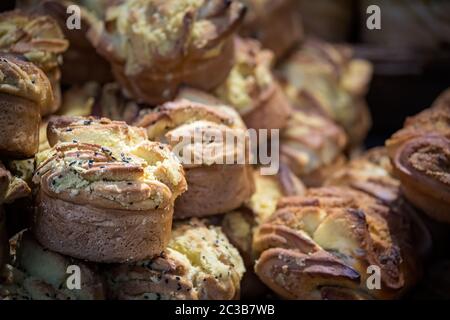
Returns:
point(312, 146)
point(199, 263)
point(107, 202)
point(275, 23)
point(325, 78)
point(39, 39)
point(24, 92)
point(320, 246)
point(217, 166)
point(252, 89)
point(40, 274)
point(157, 46)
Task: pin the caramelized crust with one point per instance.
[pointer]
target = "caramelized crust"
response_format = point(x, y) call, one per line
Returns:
point(319, 246)
point(199, 263)
point(157, 46)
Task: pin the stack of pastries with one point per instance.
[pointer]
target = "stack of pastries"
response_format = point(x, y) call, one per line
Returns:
point(126, 171)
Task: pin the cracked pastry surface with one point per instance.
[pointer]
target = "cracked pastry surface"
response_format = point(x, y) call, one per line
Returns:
point(39, 40)
point(325, 78)
point(25, 91)
point(40, 274)
point(312, 146)
point(252, 89)
point(117, 195)
point(319, 246)
point(156, 46)
point(199, 263)
point(199, 133)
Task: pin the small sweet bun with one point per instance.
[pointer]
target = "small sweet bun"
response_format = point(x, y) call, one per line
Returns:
point(40, 274)
point(312, 146)
point(327, 79)
point(422, 165)
point(214, 185)
point(199, 264)
point(320, 246)
point(39, 39)
point(275, 23)
point(106, 204)
point(188, 43)
point(24, 92)
point(252, 90)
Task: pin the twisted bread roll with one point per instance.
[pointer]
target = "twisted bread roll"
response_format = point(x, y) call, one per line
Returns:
point(115, 199)
point(325, 78)
point(421, 158)
point(39, 39)
point(312, 146)
point(39, 274)
point(178, 43)
point(320, 246)
point(24, 92)
point(199, 263)
point(252, 90)
point(276, 24)
point(215, 185)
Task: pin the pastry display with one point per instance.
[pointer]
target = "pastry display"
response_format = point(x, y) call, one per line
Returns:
point(252, 89)
point(24, 91)
point(420, 153)
point(39, 274)
point(181, 43)
point(198, 264)
point(320, 246)
point(312, 146)
point(106, 202)
point(38, 39)
point(214, 185)
point(327, 79)
point(275, 23)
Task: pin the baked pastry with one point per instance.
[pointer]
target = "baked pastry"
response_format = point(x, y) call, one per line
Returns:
point(421, 157)
point(319, 246)
point(39, 40)
point(312, 146)
point(330, 20)
point(199, 263)
point(252, 90)
point(24, 92)
point(199, 133)
point(106, 202)
point(11, 187)
point(326, 79)
point(79, 100)
point(179, 43)
point(40, 274)
point(115, 106)
point(276, 24)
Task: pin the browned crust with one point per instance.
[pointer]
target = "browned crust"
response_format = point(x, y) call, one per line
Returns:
point(215, 189)
point(90, 233)
point(19, 126)
point(294, 263)
point(277, 26)
point(422, 165)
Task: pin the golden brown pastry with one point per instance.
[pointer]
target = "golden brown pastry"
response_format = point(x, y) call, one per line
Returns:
point(199, 264)
point(214, 185)
point(24, 92)
point(325, 78)
point(312, 146)
point(252, 90)
point(179, 43)
point(79, 100)
point(275, 23)
point(40, 274)
point(11, 187)
point(420, 153)
point(106, 202)
point(39, 40)
point(319, 246)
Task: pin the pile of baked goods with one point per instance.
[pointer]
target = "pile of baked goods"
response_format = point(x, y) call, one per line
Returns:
point(93, 181)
